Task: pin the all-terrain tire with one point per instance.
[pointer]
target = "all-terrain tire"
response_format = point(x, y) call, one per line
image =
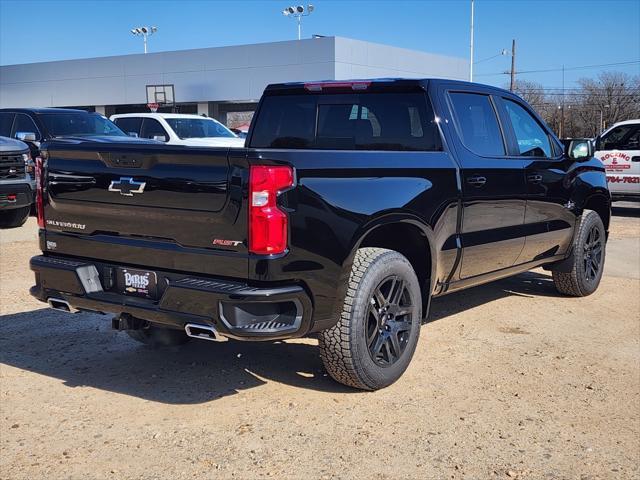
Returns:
point(582, 280)
point(16, 217)
point(159, 337)
point(344, 347)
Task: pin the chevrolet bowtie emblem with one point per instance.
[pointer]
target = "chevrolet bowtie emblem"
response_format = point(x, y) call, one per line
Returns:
point(127, 186)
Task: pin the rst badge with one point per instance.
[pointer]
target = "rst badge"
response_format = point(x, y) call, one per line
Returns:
point(127, 186)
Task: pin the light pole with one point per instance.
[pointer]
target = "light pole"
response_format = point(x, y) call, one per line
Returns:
point(297, 13)
point(144, 32)
point(601, 119)
point(471, 47)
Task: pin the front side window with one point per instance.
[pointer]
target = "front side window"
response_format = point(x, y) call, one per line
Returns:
point(79, 125)
point(624, 137)
point(152, 128)
point(366, 121)
point(6, 120)
point(199, 128)
point(478, 123)
point(129, 125)
point(23, 123)
point(533, 140)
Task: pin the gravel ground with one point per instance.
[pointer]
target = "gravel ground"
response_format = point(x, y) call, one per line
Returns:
point(509, 380)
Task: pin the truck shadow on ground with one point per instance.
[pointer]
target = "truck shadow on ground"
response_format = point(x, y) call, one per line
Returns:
point(82, 350)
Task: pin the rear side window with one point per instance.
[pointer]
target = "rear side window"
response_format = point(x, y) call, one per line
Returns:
point(366, 121)
point(478, 123)
point(129, 125)
point(6, 120)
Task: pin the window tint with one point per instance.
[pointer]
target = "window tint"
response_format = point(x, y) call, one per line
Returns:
point(478, 123)
point(78, 124)
point(23, 123)
point(129, 124)
point(624, 137)
point(286, 121)
point(374, 121)
point(533, 140)
point(199, 128)
point(151, 128)
point(6, 120)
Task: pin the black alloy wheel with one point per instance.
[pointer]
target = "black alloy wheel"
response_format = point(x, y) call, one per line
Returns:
point(592, 254)
point(389, 321)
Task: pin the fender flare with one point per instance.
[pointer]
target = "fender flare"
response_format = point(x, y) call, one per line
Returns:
point(377, 221)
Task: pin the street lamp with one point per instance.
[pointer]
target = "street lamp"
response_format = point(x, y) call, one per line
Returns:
point(144, 32)
point(297, 13)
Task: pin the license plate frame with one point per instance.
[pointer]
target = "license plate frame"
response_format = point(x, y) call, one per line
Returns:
point(135, 282)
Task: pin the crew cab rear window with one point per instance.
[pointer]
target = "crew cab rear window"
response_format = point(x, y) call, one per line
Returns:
point(478, 123)
point(365, 121)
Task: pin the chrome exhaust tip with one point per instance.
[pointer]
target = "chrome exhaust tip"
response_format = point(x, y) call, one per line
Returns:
point(62, 305)
point(203, 332)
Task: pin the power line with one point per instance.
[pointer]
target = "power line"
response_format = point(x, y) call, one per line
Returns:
point(581, 67)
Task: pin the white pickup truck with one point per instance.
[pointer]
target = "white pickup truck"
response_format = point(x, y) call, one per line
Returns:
point(178, 129)
point(618, 148)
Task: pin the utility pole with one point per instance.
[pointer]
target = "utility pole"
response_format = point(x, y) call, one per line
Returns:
point(471, 47)
point(562, 108)
point(513, 65)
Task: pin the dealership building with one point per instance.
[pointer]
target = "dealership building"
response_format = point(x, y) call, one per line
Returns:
point(217, 81)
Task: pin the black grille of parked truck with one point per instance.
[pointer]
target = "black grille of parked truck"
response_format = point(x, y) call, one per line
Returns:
point(354, 204)
point(16, 194)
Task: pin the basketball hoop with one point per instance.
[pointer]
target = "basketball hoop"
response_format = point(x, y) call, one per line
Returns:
point(153, 107)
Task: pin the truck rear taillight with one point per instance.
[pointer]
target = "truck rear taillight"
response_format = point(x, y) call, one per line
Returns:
point(39, 191)
point(268, 224)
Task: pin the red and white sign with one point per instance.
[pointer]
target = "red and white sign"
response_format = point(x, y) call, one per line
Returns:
point(153, 107)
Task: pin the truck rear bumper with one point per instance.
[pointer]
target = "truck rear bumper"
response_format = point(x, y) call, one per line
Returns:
point(234, 309)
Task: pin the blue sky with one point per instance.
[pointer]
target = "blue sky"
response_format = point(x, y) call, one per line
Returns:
point(548, 33)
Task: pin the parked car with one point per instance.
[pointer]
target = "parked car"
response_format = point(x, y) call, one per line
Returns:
point(619, 149)
point(16, 189)
point(36, 125)
point(178, 129)
point(354, 204)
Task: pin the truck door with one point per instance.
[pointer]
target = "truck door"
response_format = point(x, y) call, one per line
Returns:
point(548, 221)
point(493, 185)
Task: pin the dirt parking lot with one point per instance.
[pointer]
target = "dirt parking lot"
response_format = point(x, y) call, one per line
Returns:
point(510, 380)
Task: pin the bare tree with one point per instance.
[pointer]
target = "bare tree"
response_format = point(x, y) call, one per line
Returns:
point(584, 111)
point(612, 97)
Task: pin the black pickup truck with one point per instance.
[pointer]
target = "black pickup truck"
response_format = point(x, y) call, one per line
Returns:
point(354, 204)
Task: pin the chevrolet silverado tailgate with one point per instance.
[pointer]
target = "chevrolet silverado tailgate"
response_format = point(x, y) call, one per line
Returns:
point(177, 208)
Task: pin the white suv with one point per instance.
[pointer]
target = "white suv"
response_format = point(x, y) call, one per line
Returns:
point(178, 129)
point(619, 149)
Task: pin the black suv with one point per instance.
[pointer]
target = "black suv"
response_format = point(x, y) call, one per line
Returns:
point(354, 204)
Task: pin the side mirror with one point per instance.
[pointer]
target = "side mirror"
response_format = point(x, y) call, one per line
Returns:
point(133, 134)
point(579, 148)
point(26, 136)
point(160, 138)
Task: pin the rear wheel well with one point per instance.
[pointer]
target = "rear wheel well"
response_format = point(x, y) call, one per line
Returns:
point(411, 242)
point(601, 205)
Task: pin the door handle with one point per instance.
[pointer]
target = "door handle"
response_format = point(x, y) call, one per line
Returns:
point(635, 159)
point(536, 178)
point(476, 181)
